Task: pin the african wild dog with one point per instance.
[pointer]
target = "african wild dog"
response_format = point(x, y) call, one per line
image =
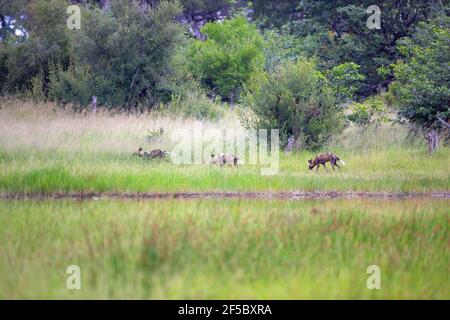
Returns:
point(224, 158)
point(323, 158)
point(152, 154)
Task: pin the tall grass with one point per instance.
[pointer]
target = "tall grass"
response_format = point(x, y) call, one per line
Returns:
point(225, 248)
point(46, 149)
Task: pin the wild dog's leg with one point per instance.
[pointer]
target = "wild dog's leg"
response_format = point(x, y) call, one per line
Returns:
point(317, 168)
point(325, 167)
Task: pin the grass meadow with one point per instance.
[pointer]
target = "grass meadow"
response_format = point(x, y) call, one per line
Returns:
point(212, 248)
point(46, 150)
point(225, 249)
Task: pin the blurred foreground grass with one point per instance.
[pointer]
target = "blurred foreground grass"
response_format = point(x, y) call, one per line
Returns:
point(225, 248)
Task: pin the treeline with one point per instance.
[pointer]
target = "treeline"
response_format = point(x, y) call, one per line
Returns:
point(306, 67)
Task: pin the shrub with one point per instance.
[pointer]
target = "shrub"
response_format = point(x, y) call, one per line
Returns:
point(232, 51)
point(345, 79)
point(129, 52)
point(297, 100)
point(73, 85)
point(194, 105)
point(422, 83)
point(372, 111)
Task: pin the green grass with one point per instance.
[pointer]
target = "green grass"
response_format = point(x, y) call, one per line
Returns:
point(225, 249)
point(395, 170)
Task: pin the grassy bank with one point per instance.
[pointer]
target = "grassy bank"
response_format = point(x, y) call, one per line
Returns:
point(386, 170)
point(224, 248)
point(44, 149)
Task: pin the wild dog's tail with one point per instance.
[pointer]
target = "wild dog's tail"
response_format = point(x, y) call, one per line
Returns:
point(341, 161)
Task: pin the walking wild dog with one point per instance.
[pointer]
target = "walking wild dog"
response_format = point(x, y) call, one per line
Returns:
point(323, 158)
point(224, 158)
point(152, 154)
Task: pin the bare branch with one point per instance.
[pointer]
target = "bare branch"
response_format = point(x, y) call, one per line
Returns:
point(443, 122)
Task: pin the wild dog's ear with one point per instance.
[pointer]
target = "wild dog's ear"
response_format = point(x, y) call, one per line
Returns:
point(310, 161)
point(212, 155)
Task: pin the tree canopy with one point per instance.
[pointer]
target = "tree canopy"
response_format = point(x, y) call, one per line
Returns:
point(232, 52)
point(422, 85)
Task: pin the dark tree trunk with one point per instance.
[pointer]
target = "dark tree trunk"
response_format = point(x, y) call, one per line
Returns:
point(290, 144)
point(433, 140)
point(231, 100)
point(94, 105)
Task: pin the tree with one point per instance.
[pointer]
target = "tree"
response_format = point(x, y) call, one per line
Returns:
point(371, 111)
point(345, 80)
point(129, 53)
point(12, 15)
point(422, 78)
point(25, 57)
point(296, 99)
point(336, 32)
point(274, 14)
point(232, 52)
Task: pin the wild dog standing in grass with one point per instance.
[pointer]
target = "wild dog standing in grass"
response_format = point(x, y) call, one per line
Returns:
point(323, 158)
point(152, 154)
point(224, 158)
point(157, 154)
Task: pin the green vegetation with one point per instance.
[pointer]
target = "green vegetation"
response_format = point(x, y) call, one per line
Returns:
point(75, 105)
point(336, 31)
point(297, 99)
point(422, 84)
point(231, 53)
point(224, 249)
point(44, 150)
point(128, 50)
point(398, 170)
point(140, 56)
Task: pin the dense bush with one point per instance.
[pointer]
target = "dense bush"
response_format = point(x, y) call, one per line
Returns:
point(130, 52)
point(29, 55)
point(422, 85)
point(371, 111)
point(127, 53)
point(345, 79)
point(73, 85)
point(194, 105)
point(232, 52)
point(297, 100)
point(336, 31)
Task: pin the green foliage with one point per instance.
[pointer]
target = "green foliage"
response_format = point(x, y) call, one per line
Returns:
point(232, 52)
point(130, 52)
point(72, 85)
point(422, 78)
point(12, 16)
point(47, 43)
point(36, 91)
point(372, 111)
point(192, 6)
point(297, 100)
point(280, 46)
point(345, 80)
point(274, 14)
point(193, 105)
point(336, 32)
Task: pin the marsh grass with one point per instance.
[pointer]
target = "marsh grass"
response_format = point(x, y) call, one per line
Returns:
point(224, 249)
point(45, 149)
point(212, 248)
